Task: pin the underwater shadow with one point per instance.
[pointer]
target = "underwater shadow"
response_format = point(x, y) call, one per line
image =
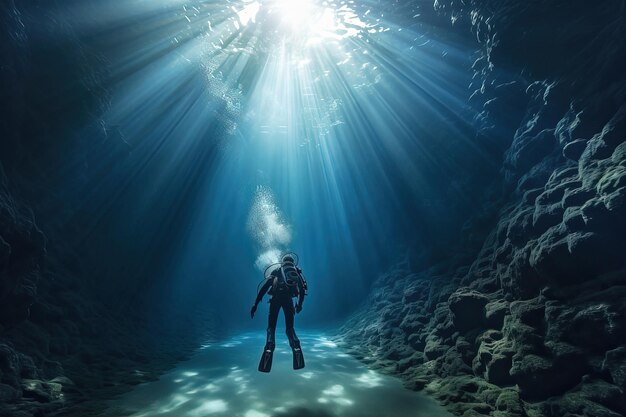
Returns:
point(304, 412)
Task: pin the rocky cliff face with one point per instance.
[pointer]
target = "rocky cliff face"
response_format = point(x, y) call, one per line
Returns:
point(534, 323)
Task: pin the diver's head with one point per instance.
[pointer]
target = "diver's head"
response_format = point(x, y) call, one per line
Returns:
point(288, 259)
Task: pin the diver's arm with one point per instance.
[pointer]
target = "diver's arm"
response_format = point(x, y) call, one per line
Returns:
point(301, 295)
point(302, 289)
point(262, 291)
point(260, 295)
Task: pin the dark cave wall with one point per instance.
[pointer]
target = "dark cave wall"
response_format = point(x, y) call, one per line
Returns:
point(77, 174)
point(532, 320)
point(79, 310)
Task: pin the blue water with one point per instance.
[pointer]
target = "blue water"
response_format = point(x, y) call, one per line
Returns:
point(222, 380)
point(338, 130)
point(345, 122)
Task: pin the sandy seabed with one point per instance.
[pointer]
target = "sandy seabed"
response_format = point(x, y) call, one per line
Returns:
point(222, 380)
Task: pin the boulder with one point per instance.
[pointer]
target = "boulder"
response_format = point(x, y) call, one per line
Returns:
point(434, 348)
point(509, 403)
point(452, 364)
point(42, 391)
point(604, 393)
point(573, 219)
point(573, 150)
point(540, 377)
point(598, 326)
point(494, 358)
point(530, 312)
point(416, 291)
point(412, 323)
point(417, 358)
point(595, 398)
point(546, 216)
point(465, 350)
point(417, 341)
point(468, 309)
point(577, 197)
point(498, 368)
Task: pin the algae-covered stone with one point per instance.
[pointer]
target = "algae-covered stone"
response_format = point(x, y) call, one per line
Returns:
point(509, 403)
point(495, 312)
point(434, 347)
point(539, 377)
point(581, 403)
point(498, 368)
point(468, 309)
point(42, 391)
point(604, 393)
point(412, 323)
point(416, 358)
point(452, 363)
point(494, 358)
point(529, 312)
point(597, 326)
point(465, 350)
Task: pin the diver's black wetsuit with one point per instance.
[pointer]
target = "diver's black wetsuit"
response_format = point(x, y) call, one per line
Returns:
point(281, 298)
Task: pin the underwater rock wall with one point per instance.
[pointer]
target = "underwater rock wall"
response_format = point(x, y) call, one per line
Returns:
point(535, 323)
point(65, 345)
point(62, 350)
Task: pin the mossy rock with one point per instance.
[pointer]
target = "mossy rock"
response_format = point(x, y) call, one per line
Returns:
point(509, 403)
point(468, 309)
point(495, 312)
point(539, 377)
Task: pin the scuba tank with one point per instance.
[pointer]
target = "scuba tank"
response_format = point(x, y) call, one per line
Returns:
point(290, 277)
point(286, 277)
point(286, 280)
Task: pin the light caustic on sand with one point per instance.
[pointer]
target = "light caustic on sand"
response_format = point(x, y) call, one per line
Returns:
point(222, 380)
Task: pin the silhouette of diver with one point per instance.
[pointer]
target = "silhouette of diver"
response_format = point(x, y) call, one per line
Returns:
point(284, 283)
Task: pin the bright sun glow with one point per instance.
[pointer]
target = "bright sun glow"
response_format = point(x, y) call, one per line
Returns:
point(302, 15)
point(315, 21)
point(307, 19)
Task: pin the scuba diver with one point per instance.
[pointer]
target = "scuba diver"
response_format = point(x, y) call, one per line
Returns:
point(284, 283)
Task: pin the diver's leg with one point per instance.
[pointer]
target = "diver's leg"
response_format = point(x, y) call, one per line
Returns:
point(294, 342)
point(271, 323)
point(265, 364)
point(290, 312)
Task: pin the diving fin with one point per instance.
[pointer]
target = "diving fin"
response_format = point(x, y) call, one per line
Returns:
point(265, 365)
point(298, 358)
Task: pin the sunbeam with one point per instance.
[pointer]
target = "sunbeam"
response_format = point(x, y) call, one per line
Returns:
point(340, 108)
